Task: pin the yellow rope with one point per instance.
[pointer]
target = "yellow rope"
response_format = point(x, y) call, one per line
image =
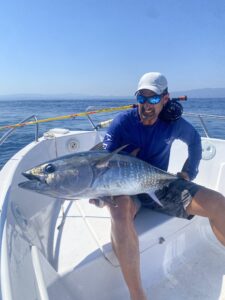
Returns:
point(81, 114)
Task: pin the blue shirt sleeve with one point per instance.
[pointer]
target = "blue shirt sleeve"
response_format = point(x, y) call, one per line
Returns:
point(112, 139)
point(189, 135)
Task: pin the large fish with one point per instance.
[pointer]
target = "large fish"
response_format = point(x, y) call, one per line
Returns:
point(95, 174)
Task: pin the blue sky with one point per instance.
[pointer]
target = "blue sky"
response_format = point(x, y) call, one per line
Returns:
point(98, 47)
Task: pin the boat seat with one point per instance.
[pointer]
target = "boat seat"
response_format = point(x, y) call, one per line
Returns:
point(92, 225)
point(152, 227)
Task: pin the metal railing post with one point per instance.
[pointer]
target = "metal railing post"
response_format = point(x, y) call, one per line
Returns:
point(10, 131)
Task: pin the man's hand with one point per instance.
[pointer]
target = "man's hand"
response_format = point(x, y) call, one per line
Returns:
point(183, 175)
point(103, 201)
point(97, 202)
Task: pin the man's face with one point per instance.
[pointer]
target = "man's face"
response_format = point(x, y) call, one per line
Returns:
point(149, 112)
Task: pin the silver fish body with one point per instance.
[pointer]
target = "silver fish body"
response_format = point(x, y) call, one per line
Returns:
point(95, 174)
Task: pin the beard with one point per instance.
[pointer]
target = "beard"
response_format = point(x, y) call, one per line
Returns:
point(147, 114)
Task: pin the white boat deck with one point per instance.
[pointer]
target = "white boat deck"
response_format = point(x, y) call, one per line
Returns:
point(69, 256)
point(192, 266)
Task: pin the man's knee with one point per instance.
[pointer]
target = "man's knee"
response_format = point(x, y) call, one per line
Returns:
point(122, 220)
point(125, 210)
point(218, 204)
point(208, 203)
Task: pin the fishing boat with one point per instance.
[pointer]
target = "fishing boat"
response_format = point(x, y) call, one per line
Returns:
point(53, 249)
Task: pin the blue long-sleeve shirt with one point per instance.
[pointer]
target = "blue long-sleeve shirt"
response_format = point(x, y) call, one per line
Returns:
point(154, 141)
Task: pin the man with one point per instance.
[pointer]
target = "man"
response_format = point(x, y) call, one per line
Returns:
point(150, 137)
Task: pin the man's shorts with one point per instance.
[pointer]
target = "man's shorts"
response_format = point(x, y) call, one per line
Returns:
point(175, 198)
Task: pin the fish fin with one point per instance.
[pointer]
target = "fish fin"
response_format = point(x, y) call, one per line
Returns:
point(103, 162)
point(135, 152)
point(99, 146)
point(154, 197)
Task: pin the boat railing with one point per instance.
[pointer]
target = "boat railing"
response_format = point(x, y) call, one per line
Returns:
point(202, 118)
point(10, 131)
point(106, 123)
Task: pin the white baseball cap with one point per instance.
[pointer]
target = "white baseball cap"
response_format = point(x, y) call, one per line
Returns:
point(154, 81)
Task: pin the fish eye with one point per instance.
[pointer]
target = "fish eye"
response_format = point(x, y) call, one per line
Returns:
point(50, 168)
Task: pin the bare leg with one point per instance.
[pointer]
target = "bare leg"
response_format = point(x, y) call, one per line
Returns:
point(126, 246)
point(211, 204)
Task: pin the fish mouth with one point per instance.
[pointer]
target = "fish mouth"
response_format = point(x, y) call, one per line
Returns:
point(34, 183)
point(30, 176)
point(33, 177)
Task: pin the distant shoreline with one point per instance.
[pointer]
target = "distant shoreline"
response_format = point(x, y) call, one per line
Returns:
point(205, 93)
point(102, 99)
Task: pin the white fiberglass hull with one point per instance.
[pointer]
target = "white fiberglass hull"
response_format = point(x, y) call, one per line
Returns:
point(61, 250)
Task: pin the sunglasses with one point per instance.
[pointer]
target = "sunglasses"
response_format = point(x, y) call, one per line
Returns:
point(151, 100)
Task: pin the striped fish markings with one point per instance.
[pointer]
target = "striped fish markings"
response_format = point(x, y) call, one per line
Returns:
point(95, 174)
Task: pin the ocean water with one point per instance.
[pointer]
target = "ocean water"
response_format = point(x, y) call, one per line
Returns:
point(12, 112)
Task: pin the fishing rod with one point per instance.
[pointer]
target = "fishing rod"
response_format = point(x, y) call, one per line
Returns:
point(81, 114)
